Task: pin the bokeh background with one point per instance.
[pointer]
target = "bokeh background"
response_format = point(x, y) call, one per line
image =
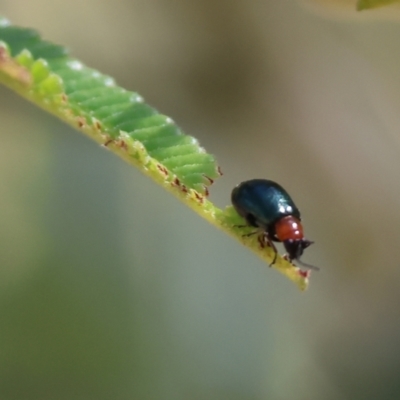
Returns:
point(112, 289)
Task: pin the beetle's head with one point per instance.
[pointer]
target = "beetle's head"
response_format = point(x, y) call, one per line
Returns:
point(295, 249)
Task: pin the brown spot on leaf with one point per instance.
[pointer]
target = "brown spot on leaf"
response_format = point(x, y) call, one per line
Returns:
point(162, 169)
point(304, 274)
point(81, 122)
point(199, 197)
point(209, 179)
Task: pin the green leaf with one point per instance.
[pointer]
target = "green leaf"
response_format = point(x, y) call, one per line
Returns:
point(119, 119)
point(367, 4)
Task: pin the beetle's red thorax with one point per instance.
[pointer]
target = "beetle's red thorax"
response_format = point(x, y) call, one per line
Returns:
point(289, 228)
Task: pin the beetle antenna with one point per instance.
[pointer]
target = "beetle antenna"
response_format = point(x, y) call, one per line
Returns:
point(307, 265)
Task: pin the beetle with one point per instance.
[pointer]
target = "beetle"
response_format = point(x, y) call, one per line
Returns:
point(266, 205)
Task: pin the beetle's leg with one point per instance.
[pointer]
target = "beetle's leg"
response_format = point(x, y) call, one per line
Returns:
point(270, 243)
point(251, 233)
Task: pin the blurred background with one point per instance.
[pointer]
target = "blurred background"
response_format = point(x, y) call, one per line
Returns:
point(112, 289)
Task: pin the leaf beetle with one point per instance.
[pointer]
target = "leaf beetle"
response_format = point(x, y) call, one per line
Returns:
point(266, 205)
